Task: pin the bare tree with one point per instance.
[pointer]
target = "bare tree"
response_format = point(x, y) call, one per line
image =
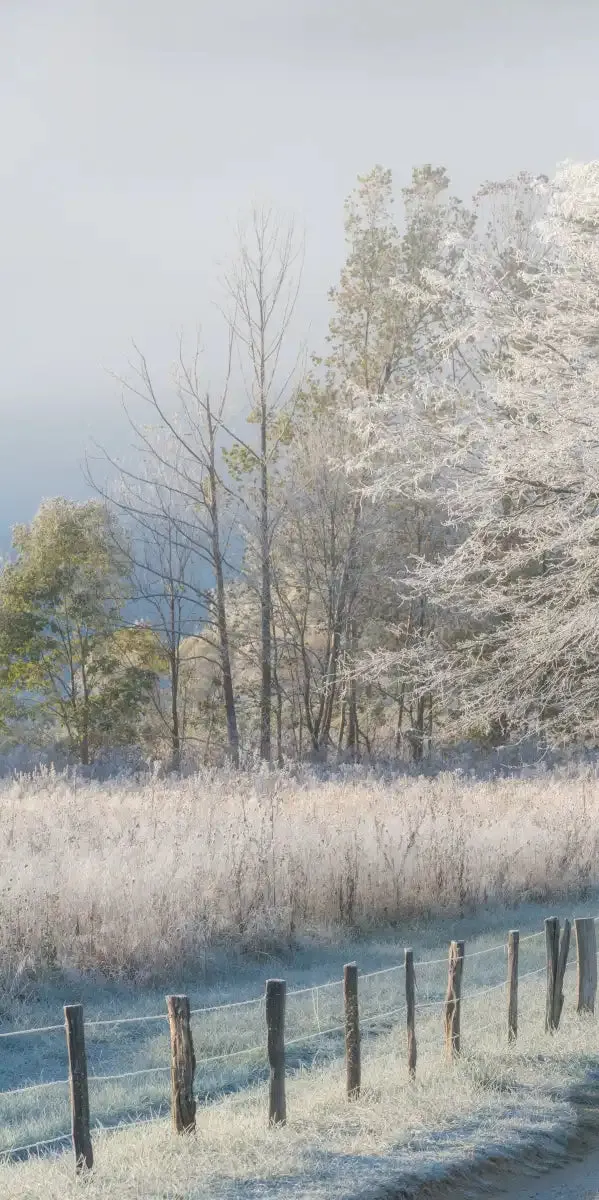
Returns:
point(185, 517)
point(263, 286)
point(165, 577)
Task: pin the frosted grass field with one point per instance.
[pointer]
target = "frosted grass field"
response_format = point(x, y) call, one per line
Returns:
point(143, 881)
point(430, 860)
point(496, 1095)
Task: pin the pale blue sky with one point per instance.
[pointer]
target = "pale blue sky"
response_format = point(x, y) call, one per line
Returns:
point(134, 132)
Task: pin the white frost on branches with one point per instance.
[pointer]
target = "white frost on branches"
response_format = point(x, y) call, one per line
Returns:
point(511, 452)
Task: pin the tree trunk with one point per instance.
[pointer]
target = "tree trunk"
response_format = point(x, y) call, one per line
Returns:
point(221, 609)
point(342, 728)
point(175, 738)
point(265, 613)
point(84, 743)
point(322, 725)
point(84, 748)
point(227, 678)
point(279, 707)
point(418, 738)
point(353, 732)
point(353, 747)
point(400, 708)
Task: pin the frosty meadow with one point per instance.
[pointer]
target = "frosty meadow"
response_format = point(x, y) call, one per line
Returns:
point(261, 874)
point(303, 607)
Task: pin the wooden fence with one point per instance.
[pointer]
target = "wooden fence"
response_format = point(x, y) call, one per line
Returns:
point(183, 1062)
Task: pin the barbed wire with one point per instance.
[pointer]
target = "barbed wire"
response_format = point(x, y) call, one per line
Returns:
point(383, 971)
point(231, 1054)
point(319, 987)
point(32, 1087)
point(233, 1004)
point(485, 991)
point(66, 1137)
point(125, 1020)
point(391, 1012)
point(39, 1029)
point(429, 1004)
point(128, 1074)
point(62, 1137)
point(538, 971)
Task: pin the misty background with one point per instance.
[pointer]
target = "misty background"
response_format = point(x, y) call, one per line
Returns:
point(135, 135)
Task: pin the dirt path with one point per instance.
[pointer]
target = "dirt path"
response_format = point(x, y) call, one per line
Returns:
point(576, 1181)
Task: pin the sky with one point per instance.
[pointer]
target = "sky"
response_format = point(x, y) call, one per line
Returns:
point(136, 133)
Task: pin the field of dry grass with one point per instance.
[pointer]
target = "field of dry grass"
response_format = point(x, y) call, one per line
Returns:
point(140, 880)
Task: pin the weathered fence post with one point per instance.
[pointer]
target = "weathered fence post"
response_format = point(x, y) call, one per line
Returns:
point(352, 1030)
point(557, 956)
point(453, 1000)
point(275, 1026)
point(75, 1033)
point(552, 944)
point(586, 954)
point(183, 1065)
point(513, 944)
point(411, 1011)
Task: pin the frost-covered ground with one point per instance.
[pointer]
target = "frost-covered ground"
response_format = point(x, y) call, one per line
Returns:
point(496, 1096)
point(113, 893)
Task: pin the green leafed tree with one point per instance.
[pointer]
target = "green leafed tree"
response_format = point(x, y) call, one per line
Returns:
point(61, 600)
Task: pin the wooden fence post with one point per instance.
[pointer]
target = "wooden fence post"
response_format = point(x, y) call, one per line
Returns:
point(551, 944)
point(352, 1030)
point(586, 954)
point(453, 1000)
point(275, 1025)
point(411, 1011)
point(512, 984)
point(183, 1065)
point(557, 957)
point(75, 1033)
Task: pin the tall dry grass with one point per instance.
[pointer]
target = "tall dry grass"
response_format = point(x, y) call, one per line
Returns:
point(136, 879)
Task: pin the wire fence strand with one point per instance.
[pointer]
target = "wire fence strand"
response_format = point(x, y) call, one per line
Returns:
point(125, 1020)
point(128, 1074)
point(233, 1004)
point(23, 1032)
point(34, 1087)
point(62, 1137)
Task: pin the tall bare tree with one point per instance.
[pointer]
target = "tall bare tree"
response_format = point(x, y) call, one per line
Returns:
point(262, 286)
point(166, 578)
point(186, 516)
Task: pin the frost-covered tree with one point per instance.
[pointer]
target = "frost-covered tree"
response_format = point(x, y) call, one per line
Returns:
point(518, 459)
point(396, 307)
